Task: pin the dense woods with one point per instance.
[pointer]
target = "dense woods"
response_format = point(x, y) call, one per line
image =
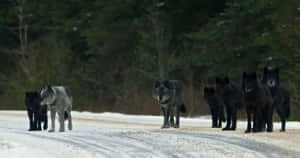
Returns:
point(110, 52)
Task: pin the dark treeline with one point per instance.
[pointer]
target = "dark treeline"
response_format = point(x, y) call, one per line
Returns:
point(110, 52)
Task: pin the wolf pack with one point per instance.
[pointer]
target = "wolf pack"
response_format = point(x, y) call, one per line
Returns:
point(258, 97)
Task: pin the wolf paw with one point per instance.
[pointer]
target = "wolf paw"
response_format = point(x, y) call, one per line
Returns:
point(165, 126)
point(51, 130)
point(226, 129)
point(61, 130)
point(176, 126)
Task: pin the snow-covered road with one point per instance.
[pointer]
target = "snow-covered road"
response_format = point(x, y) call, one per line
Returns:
point(128, 136)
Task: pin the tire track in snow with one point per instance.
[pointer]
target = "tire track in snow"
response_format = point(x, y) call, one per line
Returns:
point(113, 141)
point(268, 150)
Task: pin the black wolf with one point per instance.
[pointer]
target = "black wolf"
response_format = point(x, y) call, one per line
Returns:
point(232, 97)
point(259, 102)
point(169, 94)
point(36, 113)
point(216, 106)
point(280, 95)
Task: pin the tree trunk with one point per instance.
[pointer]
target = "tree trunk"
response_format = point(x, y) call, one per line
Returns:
point(161, 42)
point(23, 38)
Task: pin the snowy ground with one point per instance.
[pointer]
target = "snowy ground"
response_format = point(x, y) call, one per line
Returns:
point(116, 135)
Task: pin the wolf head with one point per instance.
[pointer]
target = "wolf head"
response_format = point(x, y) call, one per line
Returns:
point(250, 82)
point(162, 91)
point(271, 77)
point(47, 95)
point(223, 86)
point(32, 99)
point(222, 82)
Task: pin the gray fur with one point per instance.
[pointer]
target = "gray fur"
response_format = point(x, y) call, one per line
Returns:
point(169, 94)
point(59, 100)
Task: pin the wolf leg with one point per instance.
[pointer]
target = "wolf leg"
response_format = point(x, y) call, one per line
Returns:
point(177, 117)
point(258, 121)
point(30, 117)
point(35, 121)
point(61, 116)
point(39, 120)
point(282, 124)
point(248, 130)
point(229, 117)
point(219, 123)
point(214, 120)
point(171, 117)
point(45, 121)
point(234, 118)
point(270, 119)
point(70, 126)
point(166, 118)
point(53, 113)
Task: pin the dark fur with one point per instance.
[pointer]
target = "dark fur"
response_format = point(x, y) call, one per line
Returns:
point(233, 100)
point(258, 101)
point(216, 106)
point(280, 95)
point(36, 113)
point(169, 94)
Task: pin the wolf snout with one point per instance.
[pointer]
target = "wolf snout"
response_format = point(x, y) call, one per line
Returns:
point(159, 98)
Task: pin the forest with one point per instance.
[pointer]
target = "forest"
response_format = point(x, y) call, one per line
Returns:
point(110, 52)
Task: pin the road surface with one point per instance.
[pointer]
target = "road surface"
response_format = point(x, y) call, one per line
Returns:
point(110, 135)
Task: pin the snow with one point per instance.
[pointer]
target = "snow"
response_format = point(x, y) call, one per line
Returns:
point(110, 135)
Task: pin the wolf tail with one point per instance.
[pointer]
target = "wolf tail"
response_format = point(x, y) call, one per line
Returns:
point(182, 108)
point(66, 116)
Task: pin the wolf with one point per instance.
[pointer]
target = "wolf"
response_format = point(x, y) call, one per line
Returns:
point(58, 99)
point(280, 95)
point(35, 112)
point(232, 98)
point(169, 94)
point(259, 102)
point(216, 106)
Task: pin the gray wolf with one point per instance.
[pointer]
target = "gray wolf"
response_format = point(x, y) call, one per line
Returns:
point(259, 102)
point(169, 94)
point(232, 97)
point(280, 94)
point(59, 100)
point(216, 106)
point(36, 114)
